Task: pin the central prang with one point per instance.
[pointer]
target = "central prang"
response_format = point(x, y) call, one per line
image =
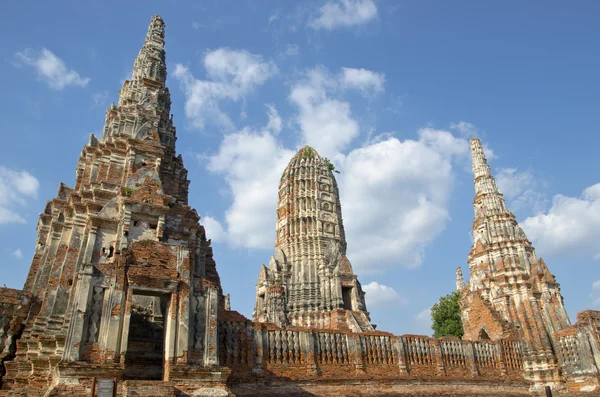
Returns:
point(309, 281)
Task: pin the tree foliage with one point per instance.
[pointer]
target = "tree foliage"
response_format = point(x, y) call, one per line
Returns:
point(445, 315)
point(330, 166)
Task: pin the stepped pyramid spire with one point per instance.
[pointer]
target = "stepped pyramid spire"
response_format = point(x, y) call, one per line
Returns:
point(510, 292)
point(150, 62)
point(144, 105)
point(123, 274)
point(485, 184)
point(309, 281)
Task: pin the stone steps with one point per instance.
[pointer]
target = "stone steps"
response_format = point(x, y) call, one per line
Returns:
point(362, 321)
point(148, 388)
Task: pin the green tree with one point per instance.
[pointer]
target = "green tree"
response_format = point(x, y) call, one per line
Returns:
point(445, 315)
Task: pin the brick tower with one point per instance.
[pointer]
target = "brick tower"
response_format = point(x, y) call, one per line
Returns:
point(122, 282)
point(309, 281)
point(510, 293)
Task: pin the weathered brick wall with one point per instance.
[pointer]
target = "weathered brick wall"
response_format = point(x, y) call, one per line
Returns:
point(14, 308)
point(300, 354)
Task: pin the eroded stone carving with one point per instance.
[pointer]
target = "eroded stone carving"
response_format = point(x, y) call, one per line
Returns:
point(511, 290)
point(309, 280)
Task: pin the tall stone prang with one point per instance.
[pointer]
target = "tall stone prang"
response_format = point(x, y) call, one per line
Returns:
point(309, 281)
point(122, 282)
point(510, 293)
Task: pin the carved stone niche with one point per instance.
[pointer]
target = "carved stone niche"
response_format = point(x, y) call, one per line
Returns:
point(105, 245)
point(143, 228)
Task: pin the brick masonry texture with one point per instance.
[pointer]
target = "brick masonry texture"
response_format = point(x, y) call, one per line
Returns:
point(123, 285)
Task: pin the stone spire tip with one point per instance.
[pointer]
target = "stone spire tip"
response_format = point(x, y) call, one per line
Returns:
point(156, 30)
point(478, 156)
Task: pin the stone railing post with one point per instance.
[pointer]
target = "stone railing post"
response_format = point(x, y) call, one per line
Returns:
point(469, 352)
point(591, 334)
point(308, 348)
point(437, 348)
point(259, 350)
point(400, 354)
point(354, 352)
point(501, 358)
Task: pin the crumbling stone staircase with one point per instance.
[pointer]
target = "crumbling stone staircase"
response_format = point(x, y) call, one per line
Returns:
point(357, 322)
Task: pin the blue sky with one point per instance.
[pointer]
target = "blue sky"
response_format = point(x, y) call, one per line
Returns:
point(389, 90)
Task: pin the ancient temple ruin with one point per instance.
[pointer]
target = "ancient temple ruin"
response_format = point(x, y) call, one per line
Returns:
point(123, 288)
point(309, 281)
point(122, 276)
point(511, 293)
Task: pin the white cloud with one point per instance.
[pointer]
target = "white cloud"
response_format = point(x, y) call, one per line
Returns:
point(16, 187)
point(422, 322)
point(596, 285)
point(467, 131)
point(378, 179)
point(378, 295)
point(344, 13)
point(519, 187)
point(326, 123)
point(513, 183)
point(366, 81)
point(238, 68)
point(18, 254)
point(274, 124)
point(252, 163)
point(214, 229)
point(233, 74)
point(50, 68)
point(571, 226)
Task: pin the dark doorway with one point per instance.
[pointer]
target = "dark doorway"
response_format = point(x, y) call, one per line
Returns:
point(483, 335)
point(347, 297)
point(144, 358)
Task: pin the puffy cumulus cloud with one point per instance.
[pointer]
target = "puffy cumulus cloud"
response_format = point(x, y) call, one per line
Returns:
point(570, 226)
point(50, 68)
point(214, 229)
point(512, 182)
point(466, 129)
point(344, 13)
point(325, 122)
point(519, 187)
point(252, 163)
point(16, 187)
point(378, 295)
point(395, 197)
point(232, 74)
point(366, 81)
point(238, 68)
